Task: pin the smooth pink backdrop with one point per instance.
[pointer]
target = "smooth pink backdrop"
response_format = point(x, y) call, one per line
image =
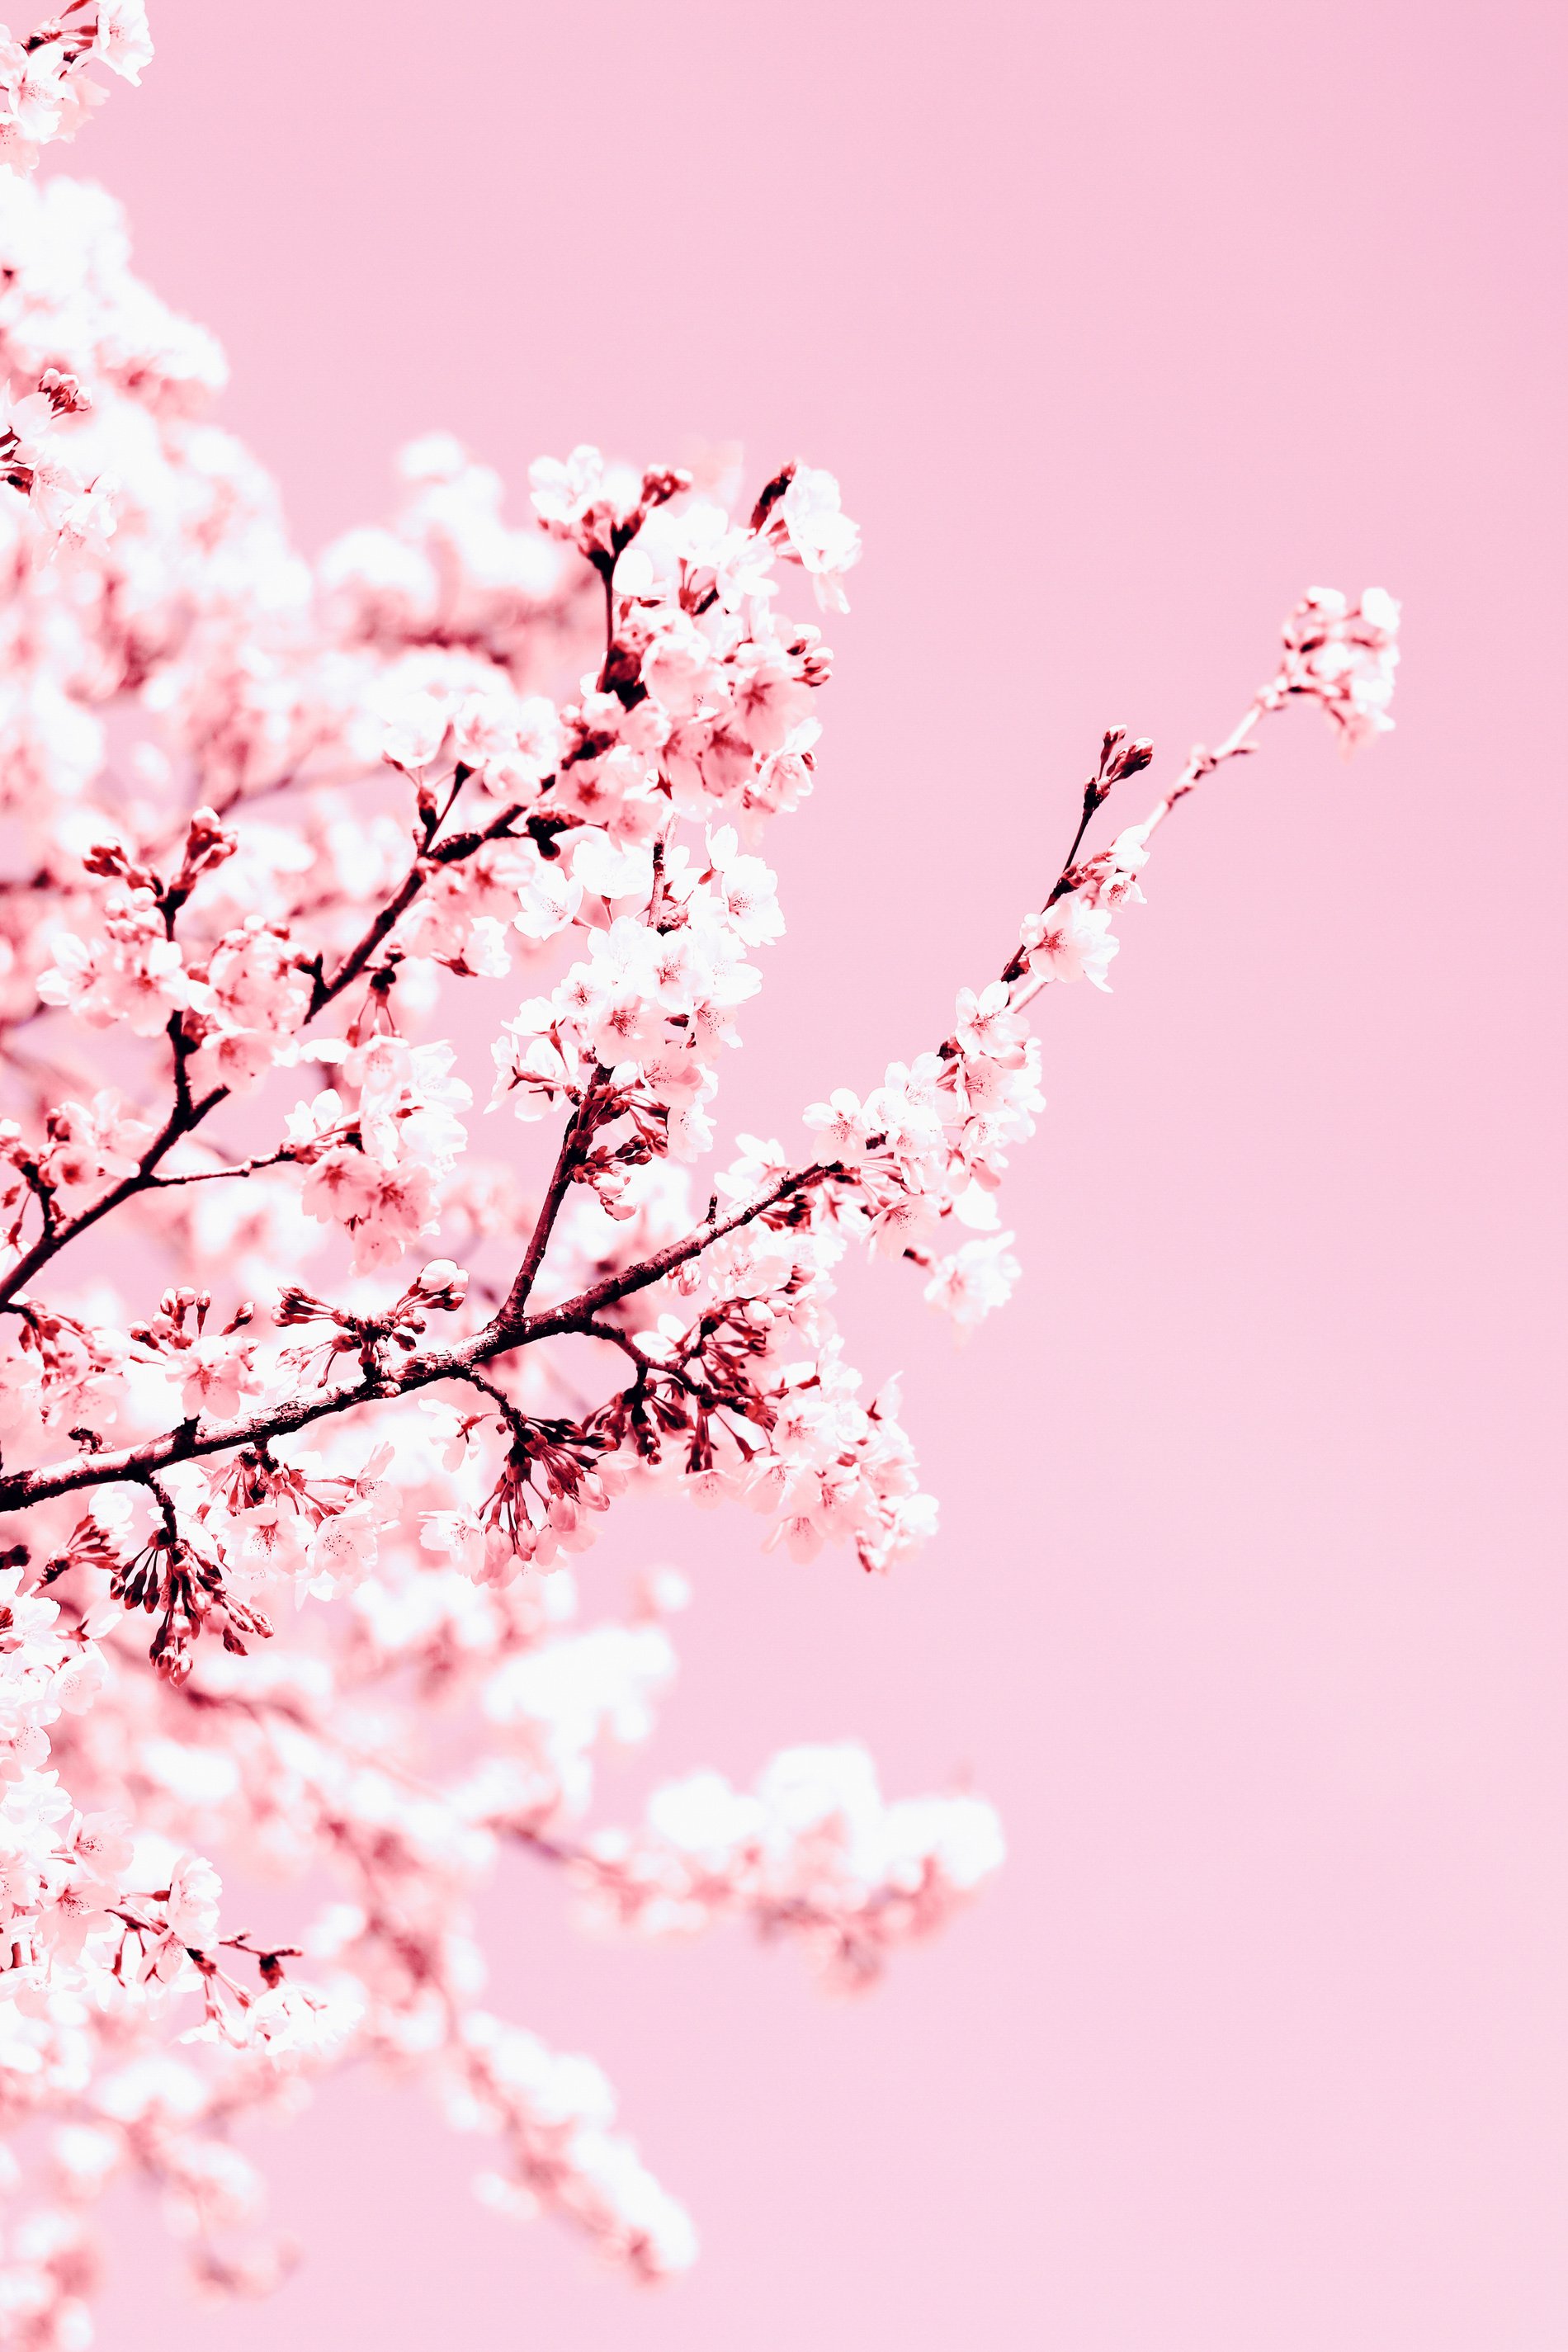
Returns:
point(1120, 325)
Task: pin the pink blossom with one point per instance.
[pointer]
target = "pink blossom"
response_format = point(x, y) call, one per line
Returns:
point(1072, 940)
point(343, 1551)
point(217, 1375)
point(192, 1902)
point(678, 669)
point(89, 1143)
point(1344, 656)
point(131, 973)
point(289, 2022)
point(985, 1023)
point(841, 1125)
point(122, 40)
point(821, 536)
point(974, 1281)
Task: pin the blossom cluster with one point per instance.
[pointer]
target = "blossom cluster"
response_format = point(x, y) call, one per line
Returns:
point(311, 1407)
point(45, 88)
point(812, 1853)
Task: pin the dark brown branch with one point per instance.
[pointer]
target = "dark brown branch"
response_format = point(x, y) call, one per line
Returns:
point(192, 1440)
point(511, 1326)
point(576, 1314)
point(514, 1418)
point(579, 1131)
point(450, 851)
point(237, 1168)
point(188, 1113)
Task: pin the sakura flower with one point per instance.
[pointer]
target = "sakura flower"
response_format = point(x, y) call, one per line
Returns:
point(415, 729)
point(841, 1125)
point(122, 40)
point(547, 901)
point(751, 890)
point(611, 869)
point(1072, 940)
point(680, 669)
point(132, 973)
point(90, 1142)
point(1110, 877)
point(536, 1061)
point(25, 1619)
point(985, 1023)
point(342, 1552)
point(973, 1281)
point(593, 506)
point(562, 489)
point(906, 1112)
point(191, 1904)
point(408, 1101)
point(900, 1222)
point(309, 1123)
point(79, 1679)
point(400, 1210)
point(1344, 656)
point(768, 694)
point(254, 998)
point(821, 537)
point(292, 2020)
point(103, 1846)
point(86, 516)
point(218, 1375)
point(761, 1159)
point(340, 1186)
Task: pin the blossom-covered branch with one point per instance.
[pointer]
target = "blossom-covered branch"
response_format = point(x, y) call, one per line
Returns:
point(297, 1443)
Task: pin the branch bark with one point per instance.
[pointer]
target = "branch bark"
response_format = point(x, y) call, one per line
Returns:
point(505, 1332)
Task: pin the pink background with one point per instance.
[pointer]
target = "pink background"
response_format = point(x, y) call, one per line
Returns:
point(1119, 324)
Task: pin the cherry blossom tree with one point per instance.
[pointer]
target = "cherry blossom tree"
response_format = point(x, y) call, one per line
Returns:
point(293, 1466)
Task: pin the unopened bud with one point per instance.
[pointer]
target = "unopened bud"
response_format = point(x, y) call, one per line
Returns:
point(1134, 758)
point(63, 392)
point(208, 841)
point(663, 482)
point(442, 1284)
point(771, 493)
point(296, 1305)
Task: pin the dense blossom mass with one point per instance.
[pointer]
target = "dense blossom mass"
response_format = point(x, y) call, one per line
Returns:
point(292, 1472)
